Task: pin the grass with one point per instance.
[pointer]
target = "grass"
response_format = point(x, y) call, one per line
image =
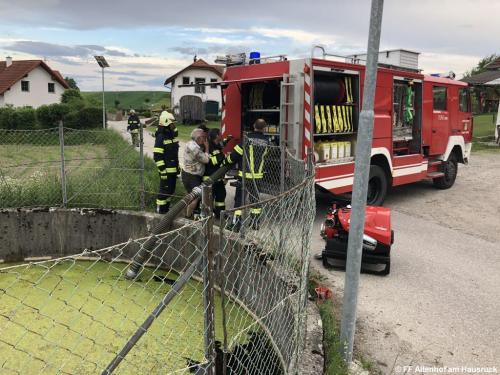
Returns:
point(484, 125)
point(129, 99)
point(333, 348)
point(102, 170)
point(76, 315)
point(484, 132)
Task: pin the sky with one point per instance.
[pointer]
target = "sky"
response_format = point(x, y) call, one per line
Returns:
point(147, 41)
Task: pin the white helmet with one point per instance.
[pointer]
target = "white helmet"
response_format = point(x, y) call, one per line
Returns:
point(166, 118)
point(132, 111)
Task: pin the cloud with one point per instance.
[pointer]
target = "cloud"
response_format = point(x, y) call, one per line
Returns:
point(58, 50)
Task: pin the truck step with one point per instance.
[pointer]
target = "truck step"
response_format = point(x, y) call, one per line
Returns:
point(435, 162)
point(435, 175)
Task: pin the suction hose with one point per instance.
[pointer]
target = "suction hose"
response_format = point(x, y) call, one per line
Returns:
point(166, 222)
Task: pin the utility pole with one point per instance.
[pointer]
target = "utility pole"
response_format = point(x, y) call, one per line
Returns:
point(360, 187)
point(103, 64)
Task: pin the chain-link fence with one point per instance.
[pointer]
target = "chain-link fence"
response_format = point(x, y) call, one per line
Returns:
point(74, 168)
point(209, 299)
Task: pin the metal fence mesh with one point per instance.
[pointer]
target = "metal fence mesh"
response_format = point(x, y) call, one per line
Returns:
point(72, 168)
point(240, 310)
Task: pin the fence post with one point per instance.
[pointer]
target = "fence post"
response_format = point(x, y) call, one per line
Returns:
point(208, 282)
point(63, 168)
point(141, 172)
point(360, 186)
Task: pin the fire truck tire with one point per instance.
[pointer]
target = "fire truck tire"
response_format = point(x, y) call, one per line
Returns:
point(450, 169)
point(377, 186)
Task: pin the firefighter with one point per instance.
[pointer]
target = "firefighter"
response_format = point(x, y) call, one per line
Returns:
point(216, 159)
point(256, 151)
point(133, 127)
point(166, 156)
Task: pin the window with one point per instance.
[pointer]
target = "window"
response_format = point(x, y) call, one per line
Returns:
point(25, 85)
point(464, 100)
point(213, 80)
point(199, 89)
point(52, 87)
point(439, 98)
point(185, 80)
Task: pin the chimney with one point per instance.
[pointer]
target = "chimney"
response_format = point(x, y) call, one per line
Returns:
point(8, 61)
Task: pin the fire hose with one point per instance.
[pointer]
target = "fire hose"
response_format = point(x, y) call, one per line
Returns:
point(167, 220)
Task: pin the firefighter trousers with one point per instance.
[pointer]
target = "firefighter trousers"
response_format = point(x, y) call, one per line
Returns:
point(167, 188)
point(252, 194)
point(219, 194)
point(135, 138)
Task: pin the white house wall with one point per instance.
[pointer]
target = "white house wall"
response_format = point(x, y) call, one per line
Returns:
point(210, 93)
point(39, 93)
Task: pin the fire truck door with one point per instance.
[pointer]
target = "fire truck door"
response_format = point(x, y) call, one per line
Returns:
point(440, 120)
point(463, 125)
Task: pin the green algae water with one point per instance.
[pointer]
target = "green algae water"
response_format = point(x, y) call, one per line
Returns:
point(72, 317)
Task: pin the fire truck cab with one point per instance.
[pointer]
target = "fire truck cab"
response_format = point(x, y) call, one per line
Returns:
point(423, 124)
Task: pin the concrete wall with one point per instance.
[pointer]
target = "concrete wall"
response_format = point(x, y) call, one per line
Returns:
point(210, 93)
point(43, 232)
point(38, 94)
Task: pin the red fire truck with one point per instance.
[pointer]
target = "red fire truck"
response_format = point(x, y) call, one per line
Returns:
point(423, 124)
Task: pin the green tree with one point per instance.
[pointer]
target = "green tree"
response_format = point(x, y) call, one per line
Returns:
point(71, 83)
point(117, 103)
point(481, 66)
point(71, 95)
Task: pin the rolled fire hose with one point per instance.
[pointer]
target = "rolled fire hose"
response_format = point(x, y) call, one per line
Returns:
point(167, 220)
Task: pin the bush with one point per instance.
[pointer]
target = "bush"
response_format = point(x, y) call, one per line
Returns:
point(24, 118)
point(17, 118)
point(7, 117)
point(90, 117)
point(48, 116)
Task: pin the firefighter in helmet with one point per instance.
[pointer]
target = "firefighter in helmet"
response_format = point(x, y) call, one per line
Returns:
point(216, 159)
point(133, 127)
point(166, 156)
point(251, 169)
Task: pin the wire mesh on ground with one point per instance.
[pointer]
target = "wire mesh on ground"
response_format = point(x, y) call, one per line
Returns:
point(73, 168)
point(79, 314)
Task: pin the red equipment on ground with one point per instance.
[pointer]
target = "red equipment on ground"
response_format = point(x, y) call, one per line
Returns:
point(377, 240)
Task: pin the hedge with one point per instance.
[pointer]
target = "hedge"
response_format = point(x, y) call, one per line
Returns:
point(48, 116)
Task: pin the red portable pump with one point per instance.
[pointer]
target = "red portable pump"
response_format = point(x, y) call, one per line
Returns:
point(377, 239)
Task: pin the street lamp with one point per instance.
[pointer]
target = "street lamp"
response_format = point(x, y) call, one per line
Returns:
point(103, 64)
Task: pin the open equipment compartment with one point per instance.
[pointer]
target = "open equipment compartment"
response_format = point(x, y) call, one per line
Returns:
point(261, 100)
point(407, 116)
point(336, 116)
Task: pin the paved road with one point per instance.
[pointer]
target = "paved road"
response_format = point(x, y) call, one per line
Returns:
point(441, 303)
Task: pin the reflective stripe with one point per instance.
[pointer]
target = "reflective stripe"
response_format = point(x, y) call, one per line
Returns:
point(161, 202)
point(163, 177)
point(255, 210)
point(160, 163)
point(170, 141)
point(238, 149)
point(251, 175)
point(237, 213)
point(205, 178)
point(135, 131)
point(171, 170)
point(215, 152)
point(213, 159)
point(220, 204)
point(229, 160)
point(158, 150)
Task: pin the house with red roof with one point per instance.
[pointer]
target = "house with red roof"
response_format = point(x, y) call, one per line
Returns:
point(29, 83)
point(198, 72)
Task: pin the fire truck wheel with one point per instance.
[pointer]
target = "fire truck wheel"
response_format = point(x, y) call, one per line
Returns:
point(377, 186)
point(450, 169)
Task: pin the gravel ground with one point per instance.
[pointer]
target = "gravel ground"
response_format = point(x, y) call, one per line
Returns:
point(440, 304)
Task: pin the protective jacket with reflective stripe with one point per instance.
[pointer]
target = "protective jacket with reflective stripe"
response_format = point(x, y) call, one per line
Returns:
point(166, 150)
point(257, 148)
point(133, 123)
